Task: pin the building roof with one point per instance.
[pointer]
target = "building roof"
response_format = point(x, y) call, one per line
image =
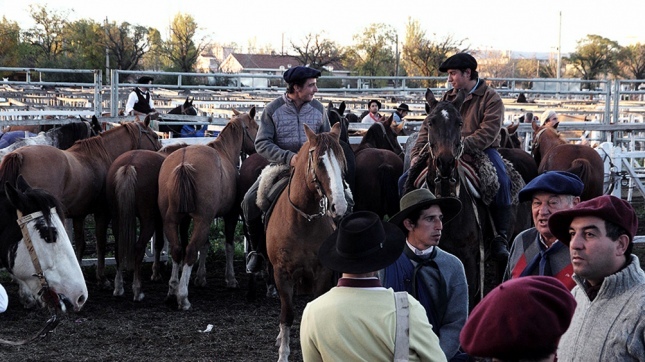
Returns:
point(265, 61)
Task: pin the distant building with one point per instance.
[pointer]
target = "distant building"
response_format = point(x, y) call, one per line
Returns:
point(210, 59)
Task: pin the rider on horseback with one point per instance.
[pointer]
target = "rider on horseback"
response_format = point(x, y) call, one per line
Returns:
point(483, 113)
point(140, 100)
point(280, 136)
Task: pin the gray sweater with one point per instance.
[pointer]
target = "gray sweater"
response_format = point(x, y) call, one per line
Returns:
point(612, 326)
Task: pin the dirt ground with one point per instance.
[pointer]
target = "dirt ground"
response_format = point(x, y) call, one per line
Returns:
point(118, 329)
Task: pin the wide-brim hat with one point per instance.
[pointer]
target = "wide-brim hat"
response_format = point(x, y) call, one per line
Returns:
point(607, 207)
point(374, 101)
point(459, 61)
point(423, 199)
point(145, 80)
point(555, 182)
point(403, 107)
point(300, 72)
point(363, 243)
point(519, 319)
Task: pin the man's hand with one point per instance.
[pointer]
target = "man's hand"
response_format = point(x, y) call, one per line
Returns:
point(293, 161)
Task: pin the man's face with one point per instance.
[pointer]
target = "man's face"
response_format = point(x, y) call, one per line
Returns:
point(543, 205)
point(427, 230)
point(373, 108)
point(307, 91)
point(459, 79)
point(552, 121)
point(594, 255)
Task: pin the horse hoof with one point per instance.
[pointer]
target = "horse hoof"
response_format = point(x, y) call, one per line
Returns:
point(138, 297)
point(233, 285)
point(200, 282)
point(118, 292)
point(272, 292)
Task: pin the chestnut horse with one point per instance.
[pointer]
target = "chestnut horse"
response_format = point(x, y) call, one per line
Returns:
point(551, 152)
point(76, 176)
point(465, 235)
point(132, 191)
point(301, 220)
point(379, 164)
point(199, 182)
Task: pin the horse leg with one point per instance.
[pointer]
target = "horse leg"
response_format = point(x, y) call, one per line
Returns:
point(101, 220)
point(79, 237)
point(176, 253)
point(285, 289)
point(200, 276)
point(182, 290)
point(159, 241)
point(230, 221)
point(147, 230)
point(199, 242)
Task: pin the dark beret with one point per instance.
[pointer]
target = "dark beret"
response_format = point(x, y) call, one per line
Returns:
point(145, 80)
point(519, 319)
point(459, 61)
point(299, 73)
point(555, 182)
point(606, 207)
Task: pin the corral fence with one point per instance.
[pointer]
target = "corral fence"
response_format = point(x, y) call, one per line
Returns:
point(603, 112)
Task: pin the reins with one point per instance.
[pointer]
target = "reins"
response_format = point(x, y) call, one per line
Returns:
point(44, 292)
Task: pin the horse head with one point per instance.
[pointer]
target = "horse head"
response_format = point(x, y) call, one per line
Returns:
point(325, 165)
point(250, 127)
point(546, 137)
point(335, 115)
point(445, 144)
point(44, 264)
point(382, 134)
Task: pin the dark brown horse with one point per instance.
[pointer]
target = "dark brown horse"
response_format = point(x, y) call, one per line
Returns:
point(132, 191)
point(199, 182)
point(552, 152)
point(301, 220)
point(182, 129)
point(76, 176)
point(466, 234)
point(379, 164)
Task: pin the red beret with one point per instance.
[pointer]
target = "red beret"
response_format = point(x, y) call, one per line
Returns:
point(521, 318)
point(606, 207)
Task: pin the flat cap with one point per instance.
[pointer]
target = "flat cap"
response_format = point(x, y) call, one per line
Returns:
point(459, 61)
point(519, 319)
point(299, 73)
point(555, 182)
point(607, 207)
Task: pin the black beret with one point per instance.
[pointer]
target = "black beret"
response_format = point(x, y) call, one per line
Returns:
point(459, 61)
point(299, 73)
point(145, 80)
point(555, 182)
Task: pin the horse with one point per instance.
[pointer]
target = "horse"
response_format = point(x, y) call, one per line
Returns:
point(199, 182)
point(509, 136)
point(183, 130)
point(76, 176)
point(36, 250)
point(465, 235)
point(379, 164)
point(335, 115)
point(552, 152)
point(301, 220)
point(132, 191)
point(62, 137)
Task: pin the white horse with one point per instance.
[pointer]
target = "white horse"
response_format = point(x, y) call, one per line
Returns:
point(38, 252)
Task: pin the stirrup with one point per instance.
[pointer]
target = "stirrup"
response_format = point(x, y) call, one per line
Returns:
point(253, 261)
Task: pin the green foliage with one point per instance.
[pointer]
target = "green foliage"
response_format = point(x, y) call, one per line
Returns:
point(181, 49)
point(632, 61)
point(10, 35)
point(595, 56)
point(373, 53)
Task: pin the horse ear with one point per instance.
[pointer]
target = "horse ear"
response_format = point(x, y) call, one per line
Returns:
point(235, 112)
point(311, 134)
point(535, 124)
point(513, 127)
point(398, 128)
point(461, 95)
point(146, 121)
point(430, 98)
point(15, 194)
point(341, 108)
point(252, 112)
point(388, 121)
point(335, 131)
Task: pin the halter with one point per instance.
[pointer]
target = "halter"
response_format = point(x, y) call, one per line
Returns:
point(322, 204)
point(184, 109)
point(389, 141)
point(438, 176)
point(143, 131)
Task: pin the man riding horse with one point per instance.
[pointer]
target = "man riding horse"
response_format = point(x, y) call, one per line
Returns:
point(482, 112)
point(279, 138)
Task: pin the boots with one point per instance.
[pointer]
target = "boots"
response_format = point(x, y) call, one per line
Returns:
point(499, 245)
point(255, 258)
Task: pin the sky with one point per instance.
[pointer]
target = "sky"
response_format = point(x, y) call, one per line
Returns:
point(531, 26)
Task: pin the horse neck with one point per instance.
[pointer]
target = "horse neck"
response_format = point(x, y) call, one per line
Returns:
point(229, 142)
point(547, 139)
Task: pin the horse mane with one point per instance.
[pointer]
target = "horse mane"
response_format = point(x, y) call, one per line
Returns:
point(93, 146)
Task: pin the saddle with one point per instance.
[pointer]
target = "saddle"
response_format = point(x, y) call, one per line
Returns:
point(273, 179)
point(480, 176)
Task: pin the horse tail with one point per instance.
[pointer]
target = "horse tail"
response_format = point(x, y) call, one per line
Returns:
point(125, 180)
point(582, 167)
point(10, 169)
point(389, 179)
point(184, 186)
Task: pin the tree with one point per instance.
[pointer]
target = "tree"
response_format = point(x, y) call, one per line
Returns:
point(632, 61)
point(317, 51)
point(595, 56)
point(373, 54)
point(127, 44)
point(80, 47)
point(9, 47)
point(181, 49)
point(422, 56)
point(47, 34)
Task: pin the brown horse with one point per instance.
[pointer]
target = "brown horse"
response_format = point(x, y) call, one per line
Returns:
point(76, 176)
point(552, 152)
point(467, 233)
point(379, 164)
point(301, 220)
point(132, 190)
point(199, 182)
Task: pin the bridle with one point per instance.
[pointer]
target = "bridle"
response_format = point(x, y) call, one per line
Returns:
point(452, 177)
point(323, 204)
point(142, 132)
point(51, 299)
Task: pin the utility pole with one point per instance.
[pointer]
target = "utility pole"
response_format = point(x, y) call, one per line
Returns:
point(559, 51)
point(107, 55)
point(396, 67)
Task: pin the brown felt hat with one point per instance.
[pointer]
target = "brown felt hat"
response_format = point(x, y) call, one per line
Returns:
point(423, 199)
point(362, 243)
